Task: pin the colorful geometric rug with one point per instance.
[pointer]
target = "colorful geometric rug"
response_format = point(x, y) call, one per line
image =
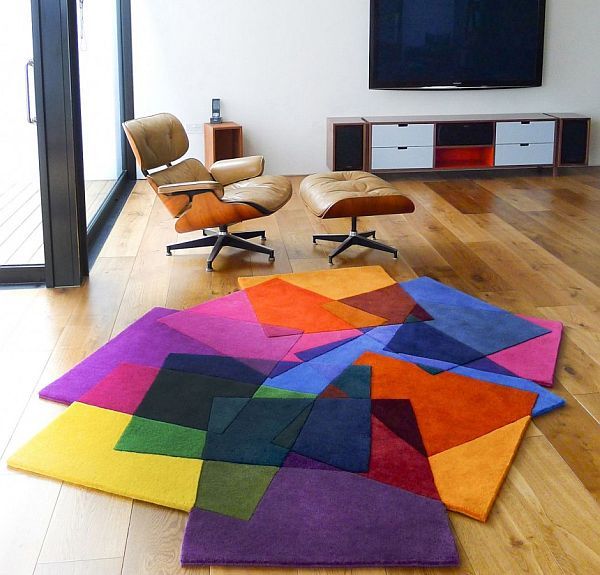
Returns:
point(316, 419)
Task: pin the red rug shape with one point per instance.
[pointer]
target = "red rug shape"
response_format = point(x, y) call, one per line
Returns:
point(333, 392)
point(451, 409)
point(391, 303)
point(395, 462)
point(279, 303)
point(399, 417)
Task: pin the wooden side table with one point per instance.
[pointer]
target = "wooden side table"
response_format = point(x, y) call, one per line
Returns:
point(222, 142)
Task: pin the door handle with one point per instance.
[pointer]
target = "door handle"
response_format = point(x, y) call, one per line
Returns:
point(31, 119)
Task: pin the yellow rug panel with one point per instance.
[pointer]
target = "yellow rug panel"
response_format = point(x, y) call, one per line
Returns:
point(334, 284)
point(77, 447)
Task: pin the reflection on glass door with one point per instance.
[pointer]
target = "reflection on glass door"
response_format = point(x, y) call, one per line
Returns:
point(98, 22)
point(21, 236)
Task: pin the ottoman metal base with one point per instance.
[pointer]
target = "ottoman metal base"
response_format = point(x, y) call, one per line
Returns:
point(354, 238)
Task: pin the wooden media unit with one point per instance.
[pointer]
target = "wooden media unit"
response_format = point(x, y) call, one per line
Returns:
point(382, 144)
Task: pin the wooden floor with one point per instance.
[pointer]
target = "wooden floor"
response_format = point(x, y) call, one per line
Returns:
point(21, 238)
point(527, 242)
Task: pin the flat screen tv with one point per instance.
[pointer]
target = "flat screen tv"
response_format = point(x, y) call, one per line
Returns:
point(452, 44)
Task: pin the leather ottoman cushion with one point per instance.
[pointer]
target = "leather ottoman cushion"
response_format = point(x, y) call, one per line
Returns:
point(267, 193)
point(347, 194)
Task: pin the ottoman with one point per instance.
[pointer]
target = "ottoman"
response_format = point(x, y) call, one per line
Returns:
point(350, 195)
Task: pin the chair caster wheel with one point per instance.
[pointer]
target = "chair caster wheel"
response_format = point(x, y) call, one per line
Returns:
point(330, 261)
point(263, 238)
point(395, 255)
point(209, 267)
point(169, 253)
point(204, 233)
point(272, 257)
point(374, 237)
point(314, 241)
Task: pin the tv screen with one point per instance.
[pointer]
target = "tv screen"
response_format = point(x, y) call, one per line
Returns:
point(447, 44)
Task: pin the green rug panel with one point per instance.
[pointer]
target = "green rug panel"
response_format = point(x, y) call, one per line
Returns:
point(355, 381)
point(233, 489)
point(265, 391)
point(288, 436)
point(227, 411)
point(159, 438)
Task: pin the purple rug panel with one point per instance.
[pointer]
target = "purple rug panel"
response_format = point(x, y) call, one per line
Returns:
point(230, 337)
point(146, 342)
point(319, 518)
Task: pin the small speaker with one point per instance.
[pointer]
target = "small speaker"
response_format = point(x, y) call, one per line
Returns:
point(216, 111)
point(349, 147)
point(574, 142)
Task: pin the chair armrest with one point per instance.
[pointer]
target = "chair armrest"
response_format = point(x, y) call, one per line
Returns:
point(229, 171)
point(191, 188)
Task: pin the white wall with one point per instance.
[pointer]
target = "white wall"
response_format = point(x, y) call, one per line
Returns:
point(282, 66)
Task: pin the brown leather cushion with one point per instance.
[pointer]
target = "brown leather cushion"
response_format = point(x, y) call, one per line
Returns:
point(156, 140)
point(236, 169)
point(347, 194)
point(267, 193)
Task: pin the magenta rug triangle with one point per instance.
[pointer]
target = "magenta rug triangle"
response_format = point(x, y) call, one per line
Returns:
point(280, 331)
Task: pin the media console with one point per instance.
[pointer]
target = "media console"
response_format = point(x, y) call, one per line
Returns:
point(481, 142)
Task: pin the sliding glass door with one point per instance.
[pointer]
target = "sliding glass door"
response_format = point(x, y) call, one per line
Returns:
point(66, 87)
point(100, 84)
point(21, 235)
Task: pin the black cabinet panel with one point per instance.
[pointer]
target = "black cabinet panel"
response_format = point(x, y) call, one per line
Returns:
point(574, 142)
point(467, 134)
point(349, 147)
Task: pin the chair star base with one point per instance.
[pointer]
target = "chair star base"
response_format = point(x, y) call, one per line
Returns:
point(354, 238)
point(222, 238)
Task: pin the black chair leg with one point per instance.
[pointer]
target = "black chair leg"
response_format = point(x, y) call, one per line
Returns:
point(348, 242)
point(204, 242)
point(236, 242)
point(369, 243)
point(219, 244)
point(329, 237)
point(219, 240)
point(249, 235)
point(355, 238)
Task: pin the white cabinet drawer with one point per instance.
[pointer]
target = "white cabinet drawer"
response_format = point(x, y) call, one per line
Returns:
point(401, 158)
point(529, 155)
point(525, 133)
point(388, 135)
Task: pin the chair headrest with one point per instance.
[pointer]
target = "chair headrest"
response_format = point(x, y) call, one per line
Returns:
point(156, 140)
